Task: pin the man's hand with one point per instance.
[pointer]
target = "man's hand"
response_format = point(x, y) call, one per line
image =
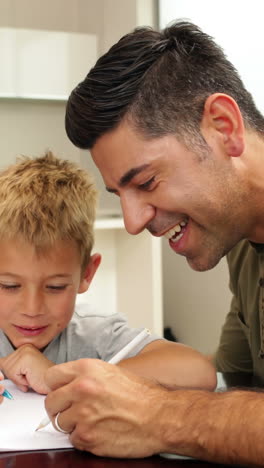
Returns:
point(107, 411)
point(112, 412)
point(26, 368)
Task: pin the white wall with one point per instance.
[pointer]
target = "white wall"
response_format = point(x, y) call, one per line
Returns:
point(236, 26)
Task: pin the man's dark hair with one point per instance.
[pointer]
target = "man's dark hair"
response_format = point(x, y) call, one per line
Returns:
point(159, 81)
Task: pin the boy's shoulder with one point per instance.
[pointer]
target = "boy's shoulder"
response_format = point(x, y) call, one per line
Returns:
point(86, 316)
point(5, 345)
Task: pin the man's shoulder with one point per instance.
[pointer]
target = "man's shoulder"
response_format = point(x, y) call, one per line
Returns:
point(243, 262)
point(242, 252)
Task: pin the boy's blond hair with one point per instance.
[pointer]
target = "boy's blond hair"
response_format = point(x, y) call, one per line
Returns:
point(47, 199)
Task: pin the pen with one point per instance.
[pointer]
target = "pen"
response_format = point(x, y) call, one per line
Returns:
point(126, 350)
point(114, 360)
point(7, 394)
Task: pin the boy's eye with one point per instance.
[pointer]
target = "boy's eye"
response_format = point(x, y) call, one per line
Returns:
point(60, 287)
point(9, 287)
point(146, 185)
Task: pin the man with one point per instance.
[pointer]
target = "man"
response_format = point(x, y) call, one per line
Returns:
point(178, 138)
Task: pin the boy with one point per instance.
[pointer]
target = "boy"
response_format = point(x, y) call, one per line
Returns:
point(47, 212)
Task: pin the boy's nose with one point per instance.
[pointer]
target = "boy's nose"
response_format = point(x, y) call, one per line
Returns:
point(136, 214)
point(32, 305)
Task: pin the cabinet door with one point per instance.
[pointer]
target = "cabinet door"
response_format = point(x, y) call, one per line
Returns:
point(44, 64)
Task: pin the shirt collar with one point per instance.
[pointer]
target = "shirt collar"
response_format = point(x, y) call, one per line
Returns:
point(258, 247)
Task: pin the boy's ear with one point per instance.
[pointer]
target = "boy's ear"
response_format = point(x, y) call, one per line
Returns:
point(89, 272)
point(222, 123)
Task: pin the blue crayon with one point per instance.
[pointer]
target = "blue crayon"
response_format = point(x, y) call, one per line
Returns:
point(7, 394)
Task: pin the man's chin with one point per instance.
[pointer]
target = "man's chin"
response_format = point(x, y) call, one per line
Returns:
point(203, 264)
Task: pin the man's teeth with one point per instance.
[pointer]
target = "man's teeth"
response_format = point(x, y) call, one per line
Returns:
point(175, 232)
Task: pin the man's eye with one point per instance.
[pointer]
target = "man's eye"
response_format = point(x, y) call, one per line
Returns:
point(147, 184)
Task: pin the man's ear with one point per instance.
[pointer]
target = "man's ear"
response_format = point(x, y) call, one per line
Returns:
point(89, 272)
point(222, 123)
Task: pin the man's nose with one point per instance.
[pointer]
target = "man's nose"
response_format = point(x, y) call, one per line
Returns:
point(137, 214)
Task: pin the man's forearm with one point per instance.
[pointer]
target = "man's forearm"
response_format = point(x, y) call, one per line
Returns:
point(222, 427)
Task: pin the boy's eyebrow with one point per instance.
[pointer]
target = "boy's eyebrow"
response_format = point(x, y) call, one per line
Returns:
point(8, 273)
point(57, 275)
point(128, 176)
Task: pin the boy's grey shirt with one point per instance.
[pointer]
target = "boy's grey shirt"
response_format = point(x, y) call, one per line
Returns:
point(88, 335)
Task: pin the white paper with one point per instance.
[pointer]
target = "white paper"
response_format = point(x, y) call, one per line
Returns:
point(21, 416)
point(19, 419)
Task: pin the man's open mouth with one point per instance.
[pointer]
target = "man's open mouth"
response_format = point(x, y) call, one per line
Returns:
point(174, 234)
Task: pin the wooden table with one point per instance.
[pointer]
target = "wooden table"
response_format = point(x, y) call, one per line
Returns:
point(76, 459)
point(72, 458)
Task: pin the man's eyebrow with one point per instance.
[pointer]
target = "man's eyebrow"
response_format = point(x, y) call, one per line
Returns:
point(128, 176)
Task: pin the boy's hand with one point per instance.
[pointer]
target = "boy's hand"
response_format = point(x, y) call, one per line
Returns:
point(1, 387)
point(26, 368)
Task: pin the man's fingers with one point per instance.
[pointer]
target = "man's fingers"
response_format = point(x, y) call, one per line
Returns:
point(66, 420)
point(59, 400)
point(70, 383)
point(62, 374)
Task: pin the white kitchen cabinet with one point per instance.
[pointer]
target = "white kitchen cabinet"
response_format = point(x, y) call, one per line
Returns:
point(43, 64)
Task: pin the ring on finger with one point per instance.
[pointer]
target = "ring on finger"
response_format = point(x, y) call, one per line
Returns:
point(57, 426)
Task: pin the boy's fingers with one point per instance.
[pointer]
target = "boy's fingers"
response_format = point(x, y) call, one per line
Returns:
point(21, 382)
point(23, 388)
